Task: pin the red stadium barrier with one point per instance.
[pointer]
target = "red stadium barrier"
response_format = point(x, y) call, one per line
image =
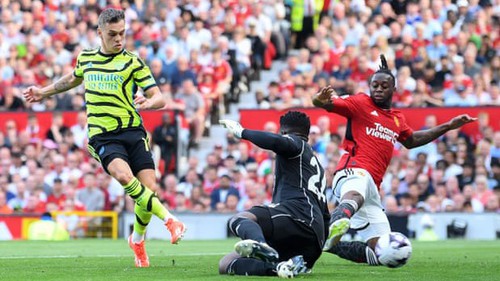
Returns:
point(13, 227)
point(151, 119)
point(255, 118)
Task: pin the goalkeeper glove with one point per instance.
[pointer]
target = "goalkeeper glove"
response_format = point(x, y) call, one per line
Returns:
point(232, 126)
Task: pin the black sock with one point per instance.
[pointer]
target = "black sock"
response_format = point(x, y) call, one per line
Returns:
point(355, 251)
point(249, 266)
point(247, 229)
point(344, 210)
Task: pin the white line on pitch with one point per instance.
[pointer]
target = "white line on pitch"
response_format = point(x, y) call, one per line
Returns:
point(104, 256)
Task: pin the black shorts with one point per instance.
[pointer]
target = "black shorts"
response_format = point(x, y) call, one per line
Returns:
point(131, 145)
point(287, 235)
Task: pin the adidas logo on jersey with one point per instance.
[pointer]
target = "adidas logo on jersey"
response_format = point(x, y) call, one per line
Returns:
point(374, 113)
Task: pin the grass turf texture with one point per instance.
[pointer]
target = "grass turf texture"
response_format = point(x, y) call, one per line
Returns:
point(198, 260)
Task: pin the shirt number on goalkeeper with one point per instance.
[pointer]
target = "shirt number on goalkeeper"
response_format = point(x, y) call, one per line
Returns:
point(317, 182)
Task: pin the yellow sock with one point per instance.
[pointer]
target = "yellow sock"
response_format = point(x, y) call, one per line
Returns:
point(146, 199)
point(142, 219)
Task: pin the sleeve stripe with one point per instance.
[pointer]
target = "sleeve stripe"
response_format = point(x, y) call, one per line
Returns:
point(149, 87)
point(143, 79)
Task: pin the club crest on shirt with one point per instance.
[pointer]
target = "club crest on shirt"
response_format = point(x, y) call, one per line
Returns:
point(396, 120)
point(119, 65)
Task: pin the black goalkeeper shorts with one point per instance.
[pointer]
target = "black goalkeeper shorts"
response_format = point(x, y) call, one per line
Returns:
point(287, 235)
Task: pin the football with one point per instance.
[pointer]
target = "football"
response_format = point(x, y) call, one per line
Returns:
point(393, 249)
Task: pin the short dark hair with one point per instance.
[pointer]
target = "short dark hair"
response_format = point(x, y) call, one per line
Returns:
point(384, 68)
point(110, 16)
point(295, 122)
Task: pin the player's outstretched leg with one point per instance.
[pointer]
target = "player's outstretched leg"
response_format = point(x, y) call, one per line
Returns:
point(340, 222)
point(258, 250)
point(355, 251)
point(147, 199)
point(234, 264)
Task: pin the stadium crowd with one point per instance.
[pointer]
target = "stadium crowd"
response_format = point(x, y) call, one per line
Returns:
point(203, 53)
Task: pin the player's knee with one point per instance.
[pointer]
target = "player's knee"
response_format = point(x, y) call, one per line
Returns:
point(372, 242)
point(225, 262)
point(235, 220)
point(122, 176)
point(356, 196)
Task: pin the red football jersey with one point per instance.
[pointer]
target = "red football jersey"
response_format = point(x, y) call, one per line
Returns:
point(370, 134)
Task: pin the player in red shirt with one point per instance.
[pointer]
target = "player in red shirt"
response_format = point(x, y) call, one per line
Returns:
point(372, 130)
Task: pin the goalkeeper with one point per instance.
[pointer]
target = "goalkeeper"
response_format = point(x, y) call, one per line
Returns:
point(286, 237)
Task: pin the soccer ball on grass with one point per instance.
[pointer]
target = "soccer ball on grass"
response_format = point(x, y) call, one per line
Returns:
point(393, 249)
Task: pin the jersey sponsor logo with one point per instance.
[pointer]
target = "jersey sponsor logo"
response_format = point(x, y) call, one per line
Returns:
point(103, 81)
point(382, 132)
point(374, 113)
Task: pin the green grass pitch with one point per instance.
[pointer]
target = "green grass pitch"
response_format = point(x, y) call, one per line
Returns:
point(198, 260)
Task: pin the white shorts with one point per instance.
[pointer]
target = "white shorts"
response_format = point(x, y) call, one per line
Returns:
point(370, 220)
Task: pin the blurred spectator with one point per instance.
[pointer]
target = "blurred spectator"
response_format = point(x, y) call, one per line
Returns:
point(222, 193)
point(57, 195)
point(114, 191)
point(194, 111)
point(182, 73)
point(169, 191)
point(493, 204)
point(33, 205)
point(57, 128)
point(200, 202)
point(4, 208)
point(165, 136)
point(481, 191)
point(304, 19)
point(11, 100)
point(47, 229)
point(161, 77)
point(79, 130)
point(186, 186)
point(59, 171)
point(91, 196)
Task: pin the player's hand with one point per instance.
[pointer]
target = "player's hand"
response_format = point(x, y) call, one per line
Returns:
point(33, 94)
point(142, 102)
point(324, 96)
point(232, 126)
point(461, 120)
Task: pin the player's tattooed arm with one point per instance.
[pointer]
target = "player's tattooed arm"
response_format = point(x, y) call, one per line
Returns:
point(422, 137)
point(323, 98)
point(66, 82)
